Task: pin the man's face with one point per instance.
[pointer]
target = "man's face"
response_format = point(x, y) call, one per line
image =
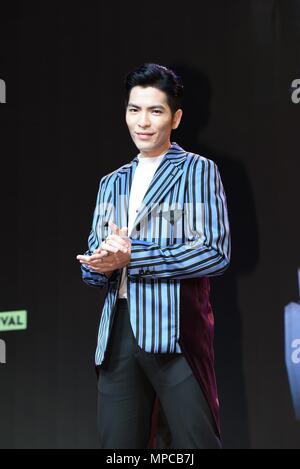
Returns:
point(150, 120)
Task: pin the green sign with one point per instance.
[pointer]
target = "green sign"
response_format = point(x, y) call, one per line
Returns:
point(13, 321)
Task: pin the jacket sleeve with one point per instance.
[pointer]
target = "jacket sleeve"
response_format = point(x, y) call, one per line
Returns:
point(98, 233)
point(205, 253)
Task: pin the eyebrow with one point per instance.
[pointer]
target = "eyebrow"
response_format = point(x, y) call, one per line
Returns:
point(150, 107)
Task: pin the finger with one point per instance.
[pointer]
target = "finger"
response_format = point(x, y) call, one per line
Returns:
point(103, 254)
point(96, 257)
point(109, 248)
point(118, 239)
point(88, 260)
point(95, 265)
point(83, 258)
point(117, 244)
point(122, 238)
point(125, 237)
point(114, 228)
point(85, 261)
point(124, 232)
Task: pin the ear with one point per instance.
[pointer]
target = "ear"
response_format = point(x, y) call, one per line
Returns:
point(177, 118)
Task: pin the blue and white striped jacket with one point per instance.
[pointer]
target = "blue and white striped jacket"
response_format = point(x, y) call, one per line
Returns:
point(181, 232)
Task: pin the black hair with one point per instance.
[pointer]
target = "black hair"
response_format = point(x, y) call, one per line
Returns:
point(158, 76)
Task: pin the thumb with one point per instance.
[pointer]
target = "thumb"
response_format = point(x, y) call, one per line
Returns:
point(114, 228)
point(124, 231)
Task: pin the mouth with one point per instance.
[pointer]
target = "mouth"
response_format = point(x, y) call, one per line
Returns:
point(143, 135)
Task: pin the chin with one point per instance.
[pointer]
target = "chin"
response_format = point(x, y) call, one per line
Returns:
point(145, 145)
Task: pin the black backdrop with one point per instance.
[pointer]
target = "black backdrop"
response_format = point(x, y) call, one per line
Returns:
point(63, 127)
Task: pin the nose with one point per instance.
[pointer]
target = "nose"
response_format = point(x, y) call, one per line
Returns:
point(143, 120)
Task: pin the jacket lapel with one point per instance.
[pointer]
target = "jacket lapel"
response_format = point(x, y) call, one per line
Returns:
point(166, 175)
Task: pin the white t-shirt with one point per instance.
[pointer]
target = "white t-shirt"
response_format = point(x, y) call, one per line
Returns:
point(142, 177)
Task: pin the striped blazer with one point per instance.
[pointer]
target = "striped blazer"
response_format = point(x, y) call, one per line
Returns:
point(180, 238)
point(181, 231)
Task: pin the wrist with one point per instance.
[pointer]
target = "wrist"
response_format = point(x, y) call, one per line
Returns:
point(109, 274)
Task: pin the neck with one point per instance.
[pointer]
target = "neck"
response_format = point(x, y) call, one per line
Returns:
point(157, 152)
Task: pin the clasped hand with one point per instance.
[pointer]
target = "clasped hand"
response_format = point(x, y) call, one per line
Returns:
point(114, 253)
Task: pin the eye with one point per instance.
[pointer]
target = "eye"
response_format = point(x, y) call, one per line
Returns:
point(157, 110)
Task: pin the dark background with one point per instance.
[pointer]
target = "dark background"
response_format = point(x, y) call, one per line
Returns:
point(63, 128)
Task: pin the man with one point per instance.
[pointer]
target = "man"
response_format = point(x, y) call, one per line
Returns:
point(160, 230)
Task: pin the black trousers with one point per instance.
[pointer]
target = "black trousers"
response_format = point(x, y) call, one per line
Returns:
point(127, 382)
